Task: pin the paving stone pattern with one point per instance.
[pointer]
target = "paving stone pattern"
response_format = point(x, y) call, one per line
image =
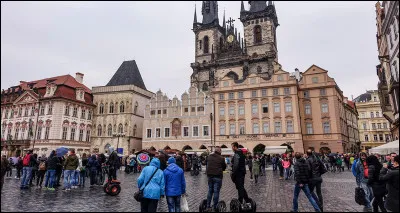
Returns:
point(270, 193)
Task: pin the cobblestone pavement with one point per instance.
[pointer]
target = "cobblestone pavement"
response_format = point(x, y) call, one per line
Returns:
point(270, 193)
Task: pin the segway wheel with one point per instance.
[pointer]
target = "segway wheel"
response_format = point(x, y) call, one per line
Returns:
point(221, 206)
point(191, 172)
point(114, 190)
point(196, 172)
point(105, 188)
point(253, 205)
point(235, 205)
point(203, 206)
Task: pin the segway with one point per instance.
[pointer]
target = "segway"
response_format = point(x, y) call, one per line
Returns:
point(221, 206)
point(194, 172)
point(111, 187)
point(236, 206)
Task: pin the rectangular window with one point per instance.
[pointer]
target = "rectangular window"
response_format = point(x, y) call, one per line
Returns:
point(255, 128)
point(39, 133)
point(289, 127)
point(46, 133)
point(166, 132)
point(264, 92)
point(322, 92)
point(380, 137)
point(385, 125)
point(231, 95)
point(19, 112)
point(89, 117)
point(278, 127)
point(362, 115)
point(222, 111)
point(33, 111)
point(280, 78)
point(25, 113)
point(288, 106)
point(231, 110)
point(23, 134)
point(199, 109)
point(366, 138)
point(64, 133)
point(193, 109)
point(186, 109)
point(372, 114)
point(165, 111)
point(72, 138)
point(265, 108)
point(80, 134)
point(205, 131)
point(222, 129)
point(221, 96)
point(375, 137)
point(195, 131)
point(324, 108)
point(185, 131)
point(306, 94)
point(275, 91)
point(241, 109)
point(240, 95)
point(42, 110)
point(232, 129)
point(379, 126)
point(387, 137)
point(16, 134)
point(265, 127)
point(286, 91)
point(309, 128)
point(377, 114)
point(159, 112)
point(88, 136)
point(364, 125)
point(254, 109)
point(83, 114)
point(315, 80)
point(152, 112)
point(158, 133)
point(277, 107)
point(254, 93)
point(66, 112)
point(327, 127)
point(242, 129)
point(148, 133)
point(373, 126)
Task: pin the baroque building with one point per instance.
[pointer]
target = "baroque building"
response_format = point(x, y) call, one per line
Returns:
point(119, 110)
point(374, 128)
point(387, 22)
point(46, 114)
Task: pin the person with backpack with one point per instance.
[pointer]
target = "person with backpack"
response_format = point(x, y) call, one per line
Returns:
point(360, 171)
point(378, 186)
point(317, 170)
point(19, 167)
point(339, 164)
point(82, 167)
point(77, 171)
point(70, 165)
point(41, 172)
point(51, 165)
point(175, 185)
point(35, 168)
point(27, 163)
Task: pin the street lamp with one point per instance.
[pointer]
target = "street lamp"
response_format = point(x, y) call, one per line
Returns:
point(120, 134)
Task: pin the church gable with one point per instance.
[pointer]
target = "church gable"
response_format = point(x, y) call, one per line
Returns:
point(26, 98)
point(314, 69)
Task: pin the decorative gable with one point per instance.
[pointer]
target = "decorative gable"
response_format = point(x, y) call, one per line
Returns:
point(50, 89)
point(26, 98)
point(80, 94)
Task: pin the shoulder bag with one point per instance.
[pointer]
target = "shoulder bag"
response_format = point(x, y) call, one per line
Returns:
point(139, 194)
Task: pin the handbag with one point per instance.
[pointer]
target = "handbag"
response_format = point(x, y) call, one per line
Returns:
point(139, 194)
point(184, 204)
point(359, 196)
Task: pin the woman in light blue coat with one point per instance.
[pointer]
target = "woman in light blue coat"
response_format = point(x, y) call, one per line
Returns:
point(156, 187)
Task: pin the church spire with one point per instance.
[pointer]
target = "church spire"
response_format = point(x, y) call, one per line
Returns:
point(195, 15)
point(256, 6)
point(209, 11)
point(223, 21)
point(269, 3)
point(242, 7)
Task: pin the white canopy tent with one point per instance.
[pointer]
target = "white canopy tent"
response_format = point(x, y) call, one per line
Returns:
point(386, 148)
point(275, 149)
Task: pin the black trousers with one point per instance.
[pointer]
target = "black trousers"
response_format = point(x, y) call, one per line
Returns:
point(315, 183)
point(239, 183)
point(251, 172)
point(148, 205)
point(378, 202)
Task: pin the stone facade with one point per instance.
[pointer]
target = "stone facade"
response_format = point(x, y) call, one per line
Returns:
point(119, 109)
point(374, 128)
point(47, 114)
point(178, 123)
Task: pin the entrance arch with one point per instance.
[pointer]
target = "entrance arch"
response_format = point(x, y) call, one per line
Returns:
point(167, 147)
point(153, 149)
point(324, 150)
point(223, 146)
point(203, 147)
point(289, 148)
point(259, 149)
point(186, 147)
point(106, 147)
point(240, 146)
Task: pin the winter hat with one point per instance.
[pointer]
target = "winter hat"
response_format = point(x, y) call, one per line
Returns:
point(171, 160)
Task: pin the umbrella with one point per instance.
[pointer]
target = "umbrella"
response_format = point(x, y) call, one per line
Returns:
point(332, 154)
point(61, 151)
point(143, 158)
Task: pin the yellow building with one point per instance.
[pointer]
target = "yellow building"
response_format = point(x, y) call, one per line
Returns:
point(373, 127)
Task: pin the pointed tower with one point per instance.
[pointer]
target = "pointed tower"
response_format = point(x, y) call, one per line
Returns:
point(223, 21)
point(209, 11)
point(195, 18)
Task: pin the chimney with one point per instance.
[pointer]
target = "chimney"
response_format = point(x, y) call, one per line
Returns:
point(79, 77)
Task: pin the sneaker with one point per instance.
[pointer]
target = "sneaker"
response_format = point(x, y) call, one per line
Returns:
point(69, 189)
point(65, 189)
point(15, 177)
point(51, 189)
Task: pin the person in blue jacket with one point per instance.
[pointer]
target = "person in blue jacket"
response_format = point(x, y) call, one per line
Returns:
point(175, 185)
point(156, 187)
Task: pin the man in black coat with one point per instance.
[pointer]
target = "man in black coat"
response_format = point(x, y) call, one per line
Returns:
point(179, 160)
point(215, 167)
point(316, 179)
point(239, 172)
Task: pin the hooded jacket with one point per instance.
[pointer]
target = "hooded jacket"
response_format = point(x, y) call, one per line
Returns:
point(52, 162)
point(72, 162)
point(92, 163)
point(175, 184)
point(302, 171)
point(156, 186)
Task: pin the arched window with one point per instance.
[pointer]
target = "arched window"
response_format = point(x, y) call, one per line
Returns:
point(101, 108)
point(257, 34)
point(111, 107)
point(99, 130)
point(120, 128)
point(205, 87)
point(205, 50)
point(136, 107)
point(134, 130)
point(121, 107)
point(109, 130)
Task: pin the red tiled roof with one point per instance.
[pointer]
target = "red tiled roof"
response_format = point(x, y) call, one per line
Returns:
point(67, 80)
point(351, 103)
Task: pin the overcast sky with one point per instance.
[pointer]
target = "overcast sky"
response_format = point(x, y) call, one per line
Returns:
point(47, 39)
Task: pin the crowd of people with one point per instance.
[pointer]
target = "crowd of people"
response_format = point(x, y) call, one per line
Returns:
point(376, 175)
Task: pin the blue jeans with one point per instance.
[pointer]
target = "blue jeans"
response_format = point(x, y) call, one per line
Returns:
point(287, 170)
point(82, 178)
point(368, 194)
point(174, 203)
point(69, 176)
point(76, 178)
point(214, 186)
point(306, 190)
point(26, 176)
point(50, 178)
point(274, 165)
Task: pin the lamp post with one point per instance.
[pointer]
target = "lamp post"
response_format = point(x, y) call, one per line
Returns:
point(119, 134)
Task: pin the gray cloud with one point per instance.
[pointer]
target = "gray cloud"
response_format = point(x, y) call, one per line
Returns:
point(44, 39)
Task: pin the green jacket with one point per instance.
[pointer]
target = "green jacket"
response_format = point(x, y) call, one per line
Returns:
point(71, 163)
point(256, 167)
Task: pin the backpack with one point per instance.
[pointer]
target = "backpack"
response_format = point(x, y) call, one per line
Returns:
point(359, 196)
point(42, 166)
point(26, 160)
